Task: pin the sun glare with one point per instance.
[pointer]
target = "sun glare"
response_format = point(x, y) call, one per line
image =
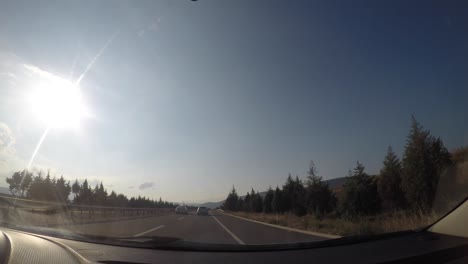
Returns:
point(57, 102)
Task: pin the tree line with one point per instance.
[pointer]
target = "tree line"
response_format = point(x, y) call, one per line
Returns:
point(295, 196)
point(46, 188)
point(408, 184)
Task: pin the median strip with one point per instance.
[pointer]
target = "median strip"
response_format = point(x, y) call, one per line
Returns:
point(148, 231)
point(285, 228)
point(229, 231)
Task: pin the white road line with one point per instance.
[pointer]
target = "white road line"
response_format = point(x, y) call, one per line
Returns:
point(148, 231)
point(180, 218)
point(229, 231)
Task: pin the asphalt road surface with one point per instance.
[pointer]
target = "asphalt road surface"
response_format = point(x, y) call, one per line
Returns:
point(213, 228)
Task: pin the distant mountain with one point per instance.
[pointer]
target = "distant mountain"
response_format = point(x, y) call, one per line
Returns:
point(212, 205)
point(335, 183)
point(262, 194)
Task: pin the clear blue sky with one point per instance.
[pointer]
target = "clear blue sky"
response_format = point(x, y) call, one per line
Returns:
point(190, 98)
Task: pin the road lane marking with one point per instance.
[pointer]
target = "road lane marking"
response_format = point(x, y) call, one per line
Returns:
point(229, 231)
point(284, 227)
point(180, 218)
point(148, 231)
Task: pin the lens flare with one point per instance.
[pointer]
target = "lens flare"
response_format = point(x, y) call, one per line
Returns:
point(58, 103)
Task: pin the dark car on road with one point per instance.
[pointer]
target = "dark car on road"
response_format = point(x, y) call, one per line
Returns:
point(202, 210)
point(181, 209)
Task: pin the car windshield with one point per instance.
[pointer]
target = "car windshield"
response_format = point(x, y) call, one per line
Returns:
point(275, 122)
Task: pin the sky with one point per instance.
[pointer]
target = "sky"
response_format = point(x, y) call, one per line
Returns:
point(185, 99)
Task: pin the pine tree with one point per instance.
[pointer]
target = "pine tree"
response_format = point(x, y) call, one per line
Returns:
point(267, 201)
point(26, 179)
point(48, 188)
point(62, 189)
point(389, 183)
point(252, 200)
point(85, 194)
point(247, 202)
point(287, 194)
point(277, 202)
point(299, 198)
point(112, 199)
point(424, 160)
point(360, 193)
point(240, 204)
point(76, 188)
point(100, 195)
point(36, 189)
point(256, 201)
point(319, 198)
point(231, 202)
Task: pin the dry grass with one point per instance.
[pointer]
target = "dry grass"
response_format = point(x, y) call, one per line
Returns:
point(384, 223)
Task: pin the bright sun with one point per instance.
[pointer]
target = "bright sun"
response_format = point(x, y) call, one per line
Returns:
point(58, 102)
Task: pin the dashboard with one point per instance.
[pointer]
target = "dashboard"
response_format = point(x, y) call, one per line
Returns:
point(425, 246)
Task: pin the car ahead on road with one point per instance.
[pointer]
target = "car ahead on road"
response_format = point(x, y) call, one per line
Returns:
point(181, 209)
point(202, 210)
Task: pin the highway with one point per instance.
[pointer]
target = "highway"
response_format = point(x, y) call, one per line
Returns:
point(214, 228)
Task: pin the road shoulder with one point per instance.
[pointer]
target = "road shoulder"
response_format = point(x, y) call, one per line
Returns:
point(283, 227)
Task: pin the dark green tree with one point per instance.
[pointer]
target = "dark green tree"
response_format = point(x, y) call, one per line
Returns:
point(14, 183)
point(256, 202)
point(85, 194)
point(277, 202)
point(267, 201)
point(25, 181)
point(122, 201)
point(424, 159)
point(319, 198)
point(76, 188)
point(240, 204)
point(112, 199)
point(299, 198)
point(37, 189)
point(100, 195)
point(294, 196)
point(389, 182)
point(360, 193)
point(247, 202)
point(232, 199)
point(287, 194)
point(62, 190)
point(48, 188)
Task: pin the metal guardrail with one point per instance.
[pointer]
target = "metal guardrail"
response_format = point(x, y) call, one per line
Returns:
point(12, 203)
